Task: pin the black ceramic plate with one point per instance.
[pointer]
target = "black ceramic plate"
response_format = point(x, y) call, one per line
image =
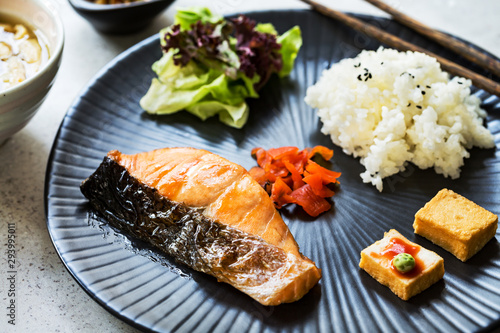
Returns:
point(153, 293)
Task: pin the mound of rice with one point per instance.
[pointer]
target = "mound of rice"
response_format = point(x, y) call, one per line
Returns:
point(390, 108)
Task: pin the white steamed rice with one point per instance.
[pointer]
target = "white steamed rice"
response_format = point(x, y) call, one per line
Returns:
point(390, 108)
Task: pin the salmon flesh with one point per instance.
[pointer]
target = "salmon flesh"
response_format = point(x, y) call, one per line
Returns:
point(207, 213)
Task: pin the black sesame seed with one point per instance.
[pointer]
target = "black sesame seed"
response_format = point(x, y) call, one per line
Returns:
point(359, 77)
point(366, 69)
point(409, 104)
point(418, 85)
point(419, 107)
point(382, 63)
point(357, 65)
point(423, 92)
point(459, 82)
point(428, 87)
point(370, 76)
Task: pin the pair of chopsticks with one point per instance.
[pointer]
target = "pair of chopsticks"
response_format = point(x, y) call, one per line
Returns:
point(453, 44)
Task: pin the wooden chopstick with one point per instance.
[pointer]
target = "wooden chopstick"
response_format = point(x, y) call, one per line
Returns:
point(396, 42)
point(443, 39)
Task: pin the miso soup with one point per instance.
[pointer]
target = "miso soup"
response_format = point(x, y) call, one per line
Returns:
point(23, 51)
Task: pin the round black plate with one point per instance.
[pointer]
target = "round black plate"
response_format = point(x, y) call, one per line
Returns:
point(154, 293)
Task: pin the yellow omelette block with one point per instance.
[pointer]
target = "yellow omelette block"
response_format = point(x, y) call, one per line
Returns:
point(456, 224)
point(376, 260)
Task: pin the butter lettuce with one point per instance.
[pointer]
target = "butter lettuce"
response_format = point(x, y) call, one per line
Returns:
point(290, 41)
point(210, 66)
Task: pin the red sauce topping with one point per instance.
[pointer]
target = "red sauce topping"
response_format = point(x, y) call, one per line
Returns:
point(397, 246)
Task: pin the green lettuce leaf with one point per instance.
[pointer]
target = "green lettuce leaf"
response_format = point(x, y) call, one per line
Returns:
point(188, 16)
point(231, 115)
point(204, 92)
point(290, 41)
point(267, 28)
point(210, 84)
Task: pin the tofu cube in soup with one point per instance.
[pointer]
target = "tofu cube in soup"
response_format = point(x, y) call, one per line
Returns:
point(22, 52)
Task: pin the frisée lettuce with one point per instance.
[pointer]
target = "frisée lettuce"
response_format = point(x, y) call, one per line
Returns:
point(211, 65)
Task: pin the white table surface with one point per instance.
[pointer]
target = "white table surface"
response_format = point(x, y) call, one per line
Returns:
point(48, 299)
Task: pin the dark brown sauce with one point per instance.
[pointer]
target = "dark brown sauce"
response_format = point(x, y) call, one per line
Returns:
point(395, 247)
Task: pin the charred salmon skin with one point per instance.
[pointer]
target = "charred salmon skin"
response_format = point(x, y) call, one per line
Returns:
point(207, 213)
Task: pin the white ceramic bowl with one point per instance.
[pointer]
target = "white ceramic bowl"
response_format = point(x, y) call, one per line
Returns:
point(19, 103)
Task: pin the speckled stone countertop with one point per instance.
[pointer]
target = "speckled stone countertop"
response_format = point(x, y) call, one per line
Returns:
point(48, 299)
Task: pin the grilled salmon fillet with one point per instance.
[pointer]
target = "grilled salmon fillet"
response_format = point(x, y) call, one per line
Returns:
point(207, 213)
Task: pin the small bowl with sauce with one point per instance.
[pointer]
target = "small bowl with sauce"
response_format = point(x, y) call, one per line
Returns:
point(119, 16)
point(31, 44)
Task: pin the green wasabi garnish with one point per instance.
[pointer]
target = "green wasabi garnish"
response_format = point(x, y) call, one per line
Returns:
point(404, 262)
